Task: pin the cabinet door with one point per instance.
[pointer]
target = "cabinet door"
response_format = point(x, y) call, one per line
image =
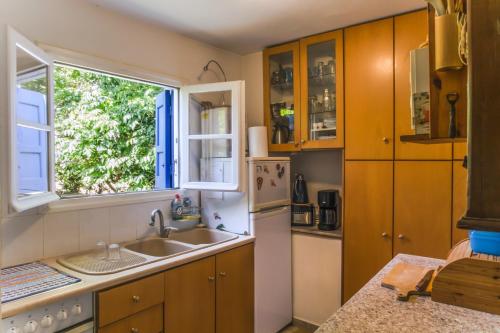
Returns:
point(410, 31)
point(459, 150)
point(235, 291)
point(422, 208)
point(459, 200)
point(369, 91)
point(190, 298)
point(321, 91)
point(282, 97)
point(212, 130)
point(368, 221)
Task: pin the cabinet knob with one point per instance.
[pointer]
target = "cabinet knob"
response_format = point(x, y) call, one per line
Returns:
point(136, 299)
point(384, 235)
point(223, 274)
point(401, 236)
point(302, 141)
point(385, 140)
point(134, 330)
point(211, 278)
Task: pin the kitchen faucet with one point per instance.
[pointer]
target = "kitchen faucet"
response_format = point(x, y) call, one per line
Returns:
point(164, 230)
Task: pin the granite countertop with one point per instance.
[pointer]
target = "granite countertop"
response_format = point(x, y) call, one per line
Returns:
point(92, 283)
point(315, 231)
point(375, 309)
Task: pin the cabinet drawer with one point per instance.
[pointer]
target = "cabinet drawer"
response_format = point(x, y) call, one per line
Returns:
point(147, 321)
point(120, 302)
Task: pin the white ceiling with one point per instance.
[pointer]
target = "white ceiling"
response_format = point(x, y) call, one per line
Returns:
point(245, 26)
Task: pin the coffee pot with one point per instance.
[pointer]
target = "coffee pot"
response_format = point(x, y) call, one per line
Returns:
point(299, 194)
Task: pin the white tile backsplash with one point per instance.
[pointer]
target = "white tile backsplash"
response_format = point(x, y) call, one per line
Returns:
point(61, 234)
point(28, 237)
point(94, 227)
point(22, 239)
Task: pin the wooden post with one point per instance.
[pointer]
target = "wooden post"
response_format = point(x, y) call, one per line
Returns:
point(483, 208)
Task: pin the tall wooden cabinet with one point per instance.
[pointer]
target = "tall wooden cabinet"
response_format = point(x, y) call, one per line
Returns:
point(368, 201)
point(459, 200)
point(398, 196)
point(422, 208)
point(369, 91)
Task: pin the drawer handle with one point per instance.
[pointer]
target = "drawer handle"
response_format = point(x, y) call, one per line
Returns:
point(223, 274)
point(134, 330)
point(384, 235)
point(401, 236)
point(211, 278)
point(136, 299)
point(385, 140)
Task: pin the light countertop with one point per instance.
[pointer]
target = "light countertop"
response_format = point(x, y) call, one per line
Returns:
point(375, 309)
point(91, 283)
point(313, 230)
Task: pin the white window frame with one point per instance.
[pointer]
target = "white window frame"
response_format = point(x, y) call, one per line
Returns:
point(237, 135)
point(19, 204)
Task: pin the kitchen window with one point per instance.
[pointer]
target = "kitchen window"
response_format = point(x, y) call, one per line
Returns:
point(80, 133)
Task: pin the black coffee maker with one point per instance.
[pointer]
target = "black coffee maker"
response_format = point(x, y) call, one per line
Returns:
point(328, 202)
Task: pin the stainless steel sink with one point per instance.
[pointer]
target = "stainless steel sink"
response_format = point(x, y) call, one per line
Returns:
point(202, 236)
point(158, 247)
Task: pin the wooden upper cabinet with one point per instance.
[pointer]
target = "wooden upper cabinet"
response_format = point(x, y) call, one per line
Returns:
point(321, 91)
point(367, 221)
point(235, 290)
point(459, 200)
point(369, 91)
point(422, 208)
point(282, 97)
point(410, 31)
point(190, 297)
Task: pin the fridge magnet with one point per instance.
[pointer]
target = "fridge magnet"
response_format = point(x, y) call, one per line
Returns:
point(260, 180)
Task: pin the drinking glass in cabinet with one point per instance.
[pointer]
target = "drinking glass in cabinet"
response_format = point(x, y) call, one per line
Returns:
point(321, 88)
point(282, 98)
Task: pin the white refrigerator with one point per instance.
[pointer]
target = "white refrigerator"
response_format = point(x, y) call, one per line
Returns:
point(266, 207)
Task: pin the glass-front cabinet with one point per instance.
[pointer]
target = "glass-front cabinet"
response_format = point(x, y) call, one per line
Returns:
point(303, 93)
point(322, 101)
point(281, 97)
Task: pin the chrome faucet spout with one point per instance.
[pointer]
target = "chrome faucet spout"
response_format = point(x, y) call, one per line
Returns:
point(164, 230)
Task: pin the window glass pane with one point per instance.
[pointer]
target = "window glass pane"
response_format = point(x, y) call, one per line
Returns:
point(210, 113)
point(32, 88)
point(282, 97)
point(210, 161)
point(111, 133)
point(321, 87)
point(32, 161)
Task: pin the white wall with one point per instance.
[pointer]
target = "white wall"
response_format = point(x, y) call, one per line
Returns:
point(91, 30)
point(252, 73)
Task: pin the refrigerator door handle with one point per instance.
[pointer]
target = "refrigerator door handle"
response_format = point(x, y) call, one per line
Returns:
point(272, 211)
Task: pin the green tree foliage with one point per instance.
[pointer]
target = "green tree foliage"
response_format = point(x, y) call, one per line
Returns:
point(105, 130)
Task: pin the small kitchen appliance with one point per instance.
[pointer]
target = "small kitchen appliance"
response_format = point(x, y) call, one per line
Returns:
point(328, 202)
point(300, 190)
point(303, 215)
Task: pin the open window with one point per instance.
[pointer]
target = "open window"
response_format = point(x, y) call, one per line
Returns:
point(30, 123)
point(212, 136)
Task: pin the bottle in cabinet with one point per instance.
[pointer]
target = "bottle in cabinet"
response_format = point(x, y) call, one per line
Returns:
point(281, 97)
point(321, 93)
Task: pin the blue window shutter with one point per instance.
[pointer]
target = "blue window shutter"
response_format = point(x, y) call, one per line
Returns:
point(164, 141)
point(32, 144)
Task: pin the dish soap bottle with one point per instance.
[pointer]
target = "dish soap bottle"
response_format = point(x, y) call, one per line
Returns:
point(177, 207)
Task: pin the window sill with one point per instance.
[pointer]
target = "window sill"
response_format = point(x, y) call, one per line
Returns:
point(109, 200)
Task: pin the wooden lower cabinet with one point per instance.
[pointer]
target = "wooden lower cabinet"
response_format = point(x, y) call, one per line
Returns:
point(235, 290)
point(367, 221)
point(214, 294)
point(422, 208)
point(211, 295)
point(147, 321)
point(459, 200)
point(190, 297)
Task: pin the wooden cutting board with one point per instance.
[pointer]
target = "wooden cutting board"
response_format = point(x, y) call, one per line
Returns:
point(408, 279)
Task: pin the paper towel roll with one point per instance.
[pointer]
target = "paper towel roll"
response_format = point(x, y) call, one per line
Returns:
point(257, 141)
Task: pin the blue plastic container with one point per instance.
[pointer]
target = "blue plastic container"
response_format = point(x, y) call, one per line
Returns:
point(486, 242)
